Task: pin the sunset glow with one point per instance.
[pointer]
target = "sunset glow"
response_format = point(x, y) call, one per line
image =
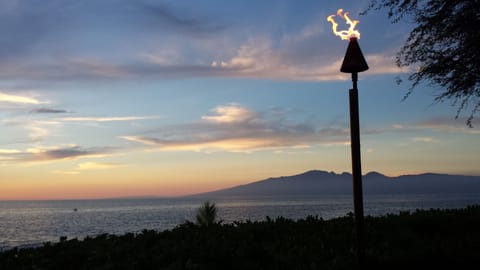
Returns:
point(102, 99)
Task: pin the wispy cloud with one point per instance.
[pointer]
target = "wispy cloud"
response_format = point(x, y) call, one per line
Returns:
point(47, 154)
point(10, 98)
point(236, 128)
point(259, 58)
point(53, 41)
point(47, 111)
point(89, 166)
point(26, 26)
point(163, 48)
point(154, 14)
point(98, 166)
point(65, 153)
point(9, 151)
point(33, 128)
point(424, 140)
point(36, 129)
point(448, 124)
point(106, 119)
point(443, 124)
point(230, 114)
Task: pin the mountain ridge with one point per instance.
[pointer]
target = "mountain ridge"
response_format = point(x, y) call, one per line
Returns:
point(319, 182)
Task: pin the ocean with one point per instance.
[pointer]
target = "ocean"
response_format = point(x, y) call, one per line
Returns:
point(31, 223)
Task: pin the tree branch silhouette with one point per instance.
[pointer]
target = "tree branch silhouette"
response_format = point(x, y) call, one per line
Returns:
point(443, 48)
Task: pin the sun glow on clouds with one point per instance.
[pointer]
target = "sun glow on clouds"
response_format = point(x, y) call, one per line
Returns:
point(97, 166)
point(258, 58)
point(230, 114)
point(18, 99)
point(235, 62)
point(234, 128)
point(9, 151)
point(89, 166)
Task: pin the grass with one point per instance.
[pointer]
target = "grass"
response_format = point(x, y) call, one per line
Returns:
point(429, 239)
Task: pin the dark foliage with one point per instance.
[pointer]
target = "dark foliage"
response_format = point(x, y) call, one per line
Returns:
point(434, 239)
point(444, 45)
point(206, 214)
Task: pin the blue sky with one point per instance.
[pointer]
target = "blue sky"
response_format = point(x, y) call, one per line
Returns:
point(119, 98)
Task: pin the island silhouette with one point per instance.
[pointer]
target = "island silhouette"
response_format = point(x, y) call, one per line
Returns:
point(317, 182)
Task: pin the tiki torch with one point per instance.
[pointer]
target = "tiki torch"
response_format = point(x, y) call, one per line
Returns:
point(354, 62)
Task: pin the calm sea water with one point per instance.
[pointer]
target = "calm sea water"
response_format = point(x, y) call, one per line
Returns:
point(30, 223)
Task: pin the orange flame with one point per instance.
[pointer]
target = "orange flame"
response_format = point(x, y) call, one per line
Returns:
point(344, 34)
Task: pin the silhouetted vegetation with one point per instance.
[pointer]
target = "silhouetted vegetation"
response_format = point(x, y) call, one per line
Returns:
point(443, 47)
point(206, 214)
point(428, 239)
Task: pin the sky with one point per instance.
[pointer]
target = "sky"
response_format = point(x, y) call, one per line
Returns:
point(118, 98)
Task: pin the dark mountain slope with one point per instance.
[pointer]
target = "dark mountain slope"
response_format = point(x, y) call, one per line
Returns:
point(329, 183)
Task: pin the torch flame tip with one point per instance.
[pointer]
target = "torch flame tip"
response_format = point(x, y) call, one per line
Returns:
point(344, 34)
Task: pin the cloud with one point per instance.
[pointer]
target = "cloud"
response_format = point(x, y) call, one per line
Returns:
point(230, 114)
point(384, 64)
point(65, 153)
point(58, 40)
point(9, 98)
point(106, 119)
point(9, 151)
point(89, 166)
point(159, 14)
point(169, 42)
point(449, 124)
point(30, 26)
point(235, 128)
point(437, 124)
point(46, 154)
point(424, 139)
point(98, 166)
point(443, 124)
point(37, 129)
point(66, 172)
point(28, 129)
point(47, 111)
point(66, 69)
point(258, 58)
point(23, 24)
point(37, 133)
point(151, 67)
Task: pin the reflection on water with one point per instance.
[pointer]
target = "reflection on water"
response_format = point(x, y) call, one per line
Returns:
point(33, 222)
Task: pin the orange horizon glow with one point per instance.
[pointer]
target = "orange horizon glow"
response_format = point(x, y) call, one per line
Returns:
point(112, 188)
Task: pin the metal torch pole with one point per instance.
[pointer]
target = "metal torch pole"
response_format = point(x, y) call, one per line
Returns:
point(357, 172)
